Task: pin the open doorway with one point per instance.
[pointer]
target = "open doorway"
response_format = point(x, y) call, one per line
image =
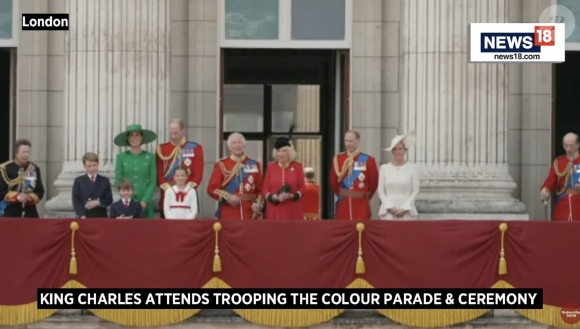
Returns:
point(263, 91)
point(566, 100)
point(7, 77)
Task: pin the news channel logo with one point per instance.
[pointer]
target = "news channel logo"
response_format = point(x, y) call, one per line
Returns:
point(517, 43)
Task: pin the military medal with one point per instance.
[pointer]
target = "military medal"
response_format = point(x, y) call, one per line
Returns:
point(362, 177)
point(361, 185)
point(251, 179)
point(187, 162)
point(248, 187)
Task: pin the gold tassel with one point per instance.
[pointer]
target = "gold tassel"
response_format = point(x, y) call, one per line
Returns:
point(217, 261)
point(360, 263)
point(503, 227)
point(73, 269)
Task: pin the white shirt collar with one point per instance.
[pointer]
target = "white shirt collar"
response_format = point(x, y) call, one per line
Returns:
point(185, 189)
point(91, 176)
point(126, 200)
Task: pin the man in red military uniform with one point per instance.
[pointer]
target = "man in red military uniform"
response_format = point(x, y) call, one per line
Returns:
point(354, 178)
point(564, 182)
point(311, 198)
point(236, 182)
point(175, 153)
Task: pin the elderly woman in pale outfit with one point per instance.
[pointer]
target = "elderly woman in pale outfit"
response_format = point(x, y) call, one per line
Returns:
point(399, 182)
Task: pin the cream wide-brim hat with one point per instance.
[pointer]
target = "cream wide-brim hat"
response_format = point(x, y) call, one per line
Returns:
point(408, 139)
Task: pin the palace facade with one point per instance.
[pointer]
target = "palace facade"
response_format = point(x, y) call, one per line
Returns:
point(486, 133)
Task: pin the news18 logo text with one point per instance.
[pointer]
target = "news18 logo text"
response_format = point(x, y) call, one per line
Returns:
point(517, 43)
point(45, 22)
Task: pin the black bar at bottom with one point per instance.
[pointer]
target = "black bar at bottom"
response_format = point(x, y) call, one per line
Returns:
point(290, 298)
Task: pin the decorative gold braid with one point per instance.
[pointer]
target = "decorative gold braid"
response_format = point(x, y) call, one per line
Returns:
point(360, 264)
point(217, 261)
point(566, 174)
point(230, 174)
point(347, 166)
point(177, 153)
point(11, 183)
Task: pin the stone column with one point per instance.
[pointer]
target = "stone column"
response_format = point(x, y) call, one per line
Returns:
point(308, 119)
point(117, 73)
point(459, 111)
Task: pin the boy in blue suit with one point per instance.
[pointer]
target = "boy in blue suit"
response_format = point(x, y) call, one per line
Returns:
point(91, 193)
point(126, 207)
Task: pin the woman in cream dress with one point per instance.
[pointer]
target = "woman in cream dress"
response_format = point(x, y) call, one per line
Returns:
point(399, 182)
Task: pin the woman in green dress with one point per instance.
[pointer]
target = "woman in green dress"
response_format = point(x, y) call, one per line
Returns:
point(137, 165)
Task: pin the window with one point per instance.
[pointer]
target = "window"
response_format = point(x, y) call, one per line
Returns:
point(286, 24)
point(6, 19)
point(252, 19)
point(9, 23)
point(318, 19)
point(243, 108)
point(573, 41)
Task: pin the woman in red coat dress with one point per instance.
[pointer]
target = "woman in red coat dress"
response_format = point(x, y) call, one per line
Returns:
point(284, 204)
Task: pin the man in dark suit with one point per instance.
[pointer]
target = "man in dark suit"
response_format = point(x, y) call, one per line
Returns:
point(91, 193)
point(21, 186)
point(126, 207)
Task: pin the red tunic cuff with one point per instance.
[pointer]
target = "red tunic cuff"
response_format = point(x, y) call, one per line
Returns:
point(12, 197)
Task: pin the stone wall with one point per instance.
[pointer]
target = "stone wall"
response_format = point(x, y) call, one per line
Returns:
point(379, 110)
point(223, 319)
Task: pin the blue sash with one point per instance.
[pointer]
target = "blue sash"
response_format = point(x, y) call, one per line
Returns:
point(27, 184)
point(234, 185)
point(349, 180)
point(574, 179)
point(190, 146)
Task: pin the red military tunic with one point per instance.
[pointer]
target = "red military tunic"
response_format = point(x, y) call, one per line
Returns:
point(239, 176)
point(564, 182)
point(276, 177)
point(311, 201)
point(171, 156)
point(354, 179)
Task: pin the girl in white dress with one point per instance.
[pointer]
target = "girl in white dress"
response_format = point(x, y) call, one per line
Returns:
point(180, 200)
point(399, 182)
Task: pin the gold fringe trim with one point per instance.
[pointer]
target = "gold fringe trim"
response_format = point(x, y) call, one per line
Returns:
point(15, 315)
point(360, 263)
point(549, 315)
point(217, 261)
point(73, 267)
point(503, 227)
point(147, 318)
point(284, 318)
point(28, 313)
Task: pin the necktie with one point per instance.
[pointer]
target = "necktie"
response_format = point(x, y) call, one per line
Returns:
point(93, 179)
point(127, 203)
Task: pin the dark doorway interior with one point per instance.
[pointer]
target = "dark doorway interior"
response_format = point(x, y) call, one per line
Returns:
point(567, 99)
point(5, 106)
point(265, 90)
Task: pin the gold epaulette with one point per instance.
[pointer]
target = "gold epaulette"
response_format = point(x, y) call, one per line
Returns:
point(3, 166)
point(11, 183)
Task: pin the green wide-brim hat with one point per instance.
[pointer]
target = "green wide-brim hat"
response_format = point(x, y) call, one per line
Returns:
point(123, 138)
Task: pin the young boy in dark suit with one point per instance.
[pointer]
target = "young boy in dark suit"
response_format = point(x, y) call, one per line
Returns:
point(91, 193)
point(126, 208)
